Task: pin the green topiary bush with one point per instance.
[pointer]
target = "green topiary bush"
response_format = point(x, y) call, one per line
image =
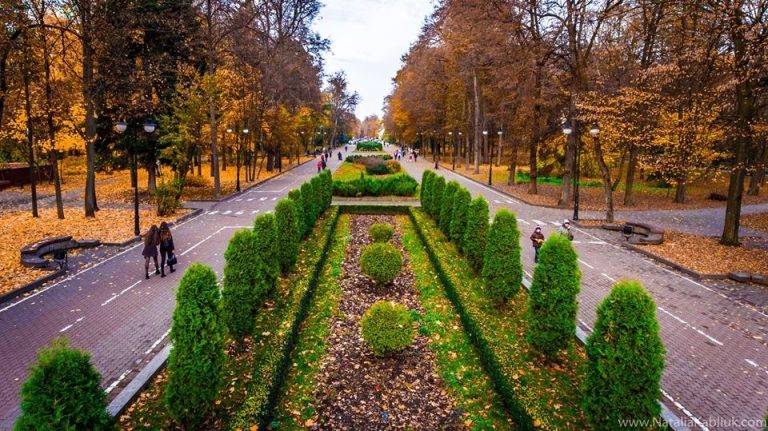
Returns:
point(301, 224)
point(287, 225)
point(63, 392)
point(244, 285)
point(393, 185)
point(264, 240)
point(473, 242)
point(381, 232)
point(381, 262)
point(318, 196)
point(502, 268)
point(387, 328)
point(196, 362)
point(461, 201)
point(310, 211)
point(552, 301)
point(625, 360)
point(438, 187)
point(446, 206)
point(425, 193)
point(326, 184)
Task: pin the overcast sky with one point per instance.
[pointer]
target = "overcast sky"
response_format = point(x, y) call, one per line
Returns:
point(368, 37)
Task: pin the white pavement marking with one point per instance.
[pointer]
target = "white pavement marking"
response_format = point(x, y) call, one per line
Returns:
point(239, 213)
point(250, 199)
point(117, 382)
point(556, 223)
point(116, 295)
point(213, 212)
point(77, 274)
point(586, 264)
point(696, 420)
point(512, 201)
point(496, 201)
point(608, 276)
point(239, 200)
point(255, 211)
point(274, 198)
point(585, 325)
point(538, 222)
point(226, 212)
point(598, 242)
point(523, 221)
point(66, 327)
point(263, 199)
point(211, 236)
point(155, 344)
point(710, 338)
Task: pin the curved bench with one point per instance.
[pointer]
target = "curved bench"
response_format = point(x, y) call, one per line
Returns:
point(644, 233)
point(33, 255)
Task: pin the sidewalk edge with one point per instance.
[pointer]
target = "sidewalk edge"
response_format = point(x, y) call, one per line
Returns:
point(138, 383)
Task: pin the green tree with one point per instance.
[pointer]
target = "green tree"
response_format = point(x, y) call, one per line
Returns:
point(625, 360)
point(265, 240)
point(502, 267)
point(435, 201)
point(473, 242)
point(327, 182)
point(63, 392)
point(196, 361)
point(244, 285)
point(287, 224)
point(301, 223)
point(461, 203)
point(318, 196)
point(310, 211)
point(446, 207)
point(425, 193)
point(552, 301)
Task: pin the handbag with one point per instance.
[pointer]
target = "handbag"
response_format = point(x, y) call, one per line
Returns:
point(172, 260)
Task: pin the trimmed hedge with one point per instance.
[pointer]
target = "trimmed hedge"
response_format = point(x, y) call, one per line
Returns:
point(310, 211)
point(196, 361)
point(63, 392)
point(264, 240)
point(318, 196)
point(381, 262)
point(625, 360)
point(296, 196)
point(473, 241)
point(367, 185)
point(552, 302)
point(326, 183)
point(502, 267)
point(369, 146)
point(504, 389)
point(357, 158)
point(287, 225)
point(438, 186)
point(461, 202)
point(387, 328)
point(244, 285)
point(381, 232)
point(446, 206)
point(426, 190)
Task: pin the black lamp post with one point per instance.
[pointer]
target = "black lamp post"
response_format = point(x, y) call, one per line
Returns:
point(245, 142)
point(149, 127)
point(453, 162)
point(490, 157)
point(568, 131)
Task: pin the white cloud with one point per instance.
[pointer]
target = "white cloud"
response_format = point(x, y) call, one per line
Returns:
point(368, 37)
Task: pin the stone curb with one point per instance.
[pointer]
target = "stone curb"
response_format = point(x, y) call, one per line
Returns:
point(696, 275)
point(668, 415)
point(138, 383)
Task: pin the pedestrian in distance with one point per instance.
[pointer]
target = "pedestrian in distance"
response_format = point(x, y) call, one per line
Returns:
point(323, 163)
point(166, 249)
point(319, 165)
point(339, 155)
point(565, 229)
point(151, 241)
point(537, 237)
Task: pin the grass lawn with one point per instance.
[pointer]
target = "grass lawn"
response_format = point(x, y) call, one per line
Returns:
point(348, 171)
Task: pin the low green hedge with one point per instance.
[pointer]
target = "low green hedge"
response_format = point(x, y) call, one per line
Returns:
point(369, 146)
point(393, 185)
point(355, 158)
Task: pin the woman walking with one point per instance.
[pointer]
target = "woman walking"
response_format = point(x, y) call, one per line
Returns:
point(151, 241)
point(166, 249)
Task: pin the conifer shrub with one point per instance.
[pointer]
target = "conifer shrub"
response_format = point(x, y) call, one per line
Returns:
point(387, 328)
point(461, 201)
point(446, 206)
point(310, 211)
point(502, 267)
point(552, 300)
point(301, 222)
point(326, 182)
point(63, 392)
point(196, 361)
point(318, 196)
point(381, 262)
point(381, 232)
point(264, 240)
point(244, 285)
point(475, 232)
point(625, 360)
point(438, 186)
point(287, 225)
point(426, 190)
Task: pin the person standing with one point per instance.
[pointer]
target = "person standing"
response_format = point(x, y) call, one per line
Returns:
point(537, 237)
point(166, 249)
point(319, 165)
point(565, 229)
point(151, 241)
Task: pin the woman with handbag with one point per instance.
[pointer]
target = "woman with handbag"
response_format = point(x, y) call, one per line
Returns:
point(166, 249)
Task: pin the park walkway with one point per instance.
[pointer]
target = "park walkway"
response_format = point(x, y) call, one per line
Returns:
point(717, 348)
point(111, 311)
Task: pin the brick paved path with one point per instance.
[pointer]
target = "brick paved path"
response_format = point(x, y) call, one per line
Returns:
point(717, 349)
point(110, 310)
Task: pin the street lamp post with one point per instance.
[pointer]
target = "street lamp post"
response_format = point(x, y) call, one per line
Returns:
point(498, 150)
point(490, 159)
point(568, 131)
point(149, 127)
point(245, 142)
point(453, 162)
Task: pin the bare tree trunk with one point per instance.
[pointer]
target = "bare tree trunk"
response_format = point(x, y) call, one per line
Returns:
point(29, 134)
point(477, 121)
point(498, 151)
point(90, 110)
point(512, 162)
point(606, 174)
point(212, 108)
point(629, 190)
point(680, 190)
point(52, 155)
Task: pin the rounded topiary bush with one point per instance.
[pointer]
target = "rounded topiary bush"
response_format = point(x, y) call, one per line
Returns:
point(387, 328)
point(625, 359)
point(63, 391)
point(326, 184)
point(301, 225)
point(461, 201)
point(475, 231)
point(552, 300)
point(426, 190)
point(381, 232)
point(446, 206)
point(502, 268)
point(318, 186)
point(381, 262)
point(244, 285)
point(287, 226)
point(265, 239)
point(310, 211)
point(437, 188)
point(196, 361)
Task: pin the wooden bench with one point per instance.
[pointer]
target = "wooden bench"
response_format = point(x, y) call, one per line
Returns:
point(643, 233)
point(34, 255)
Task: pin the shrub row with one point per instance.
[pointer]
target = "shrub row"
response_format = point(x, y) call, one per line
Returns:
point(393, 185)
point(356, 158)
point(369, 146)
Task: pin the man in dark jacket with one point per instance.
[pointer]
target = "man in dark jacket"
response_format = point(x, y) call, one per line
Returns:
point(537, 237)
